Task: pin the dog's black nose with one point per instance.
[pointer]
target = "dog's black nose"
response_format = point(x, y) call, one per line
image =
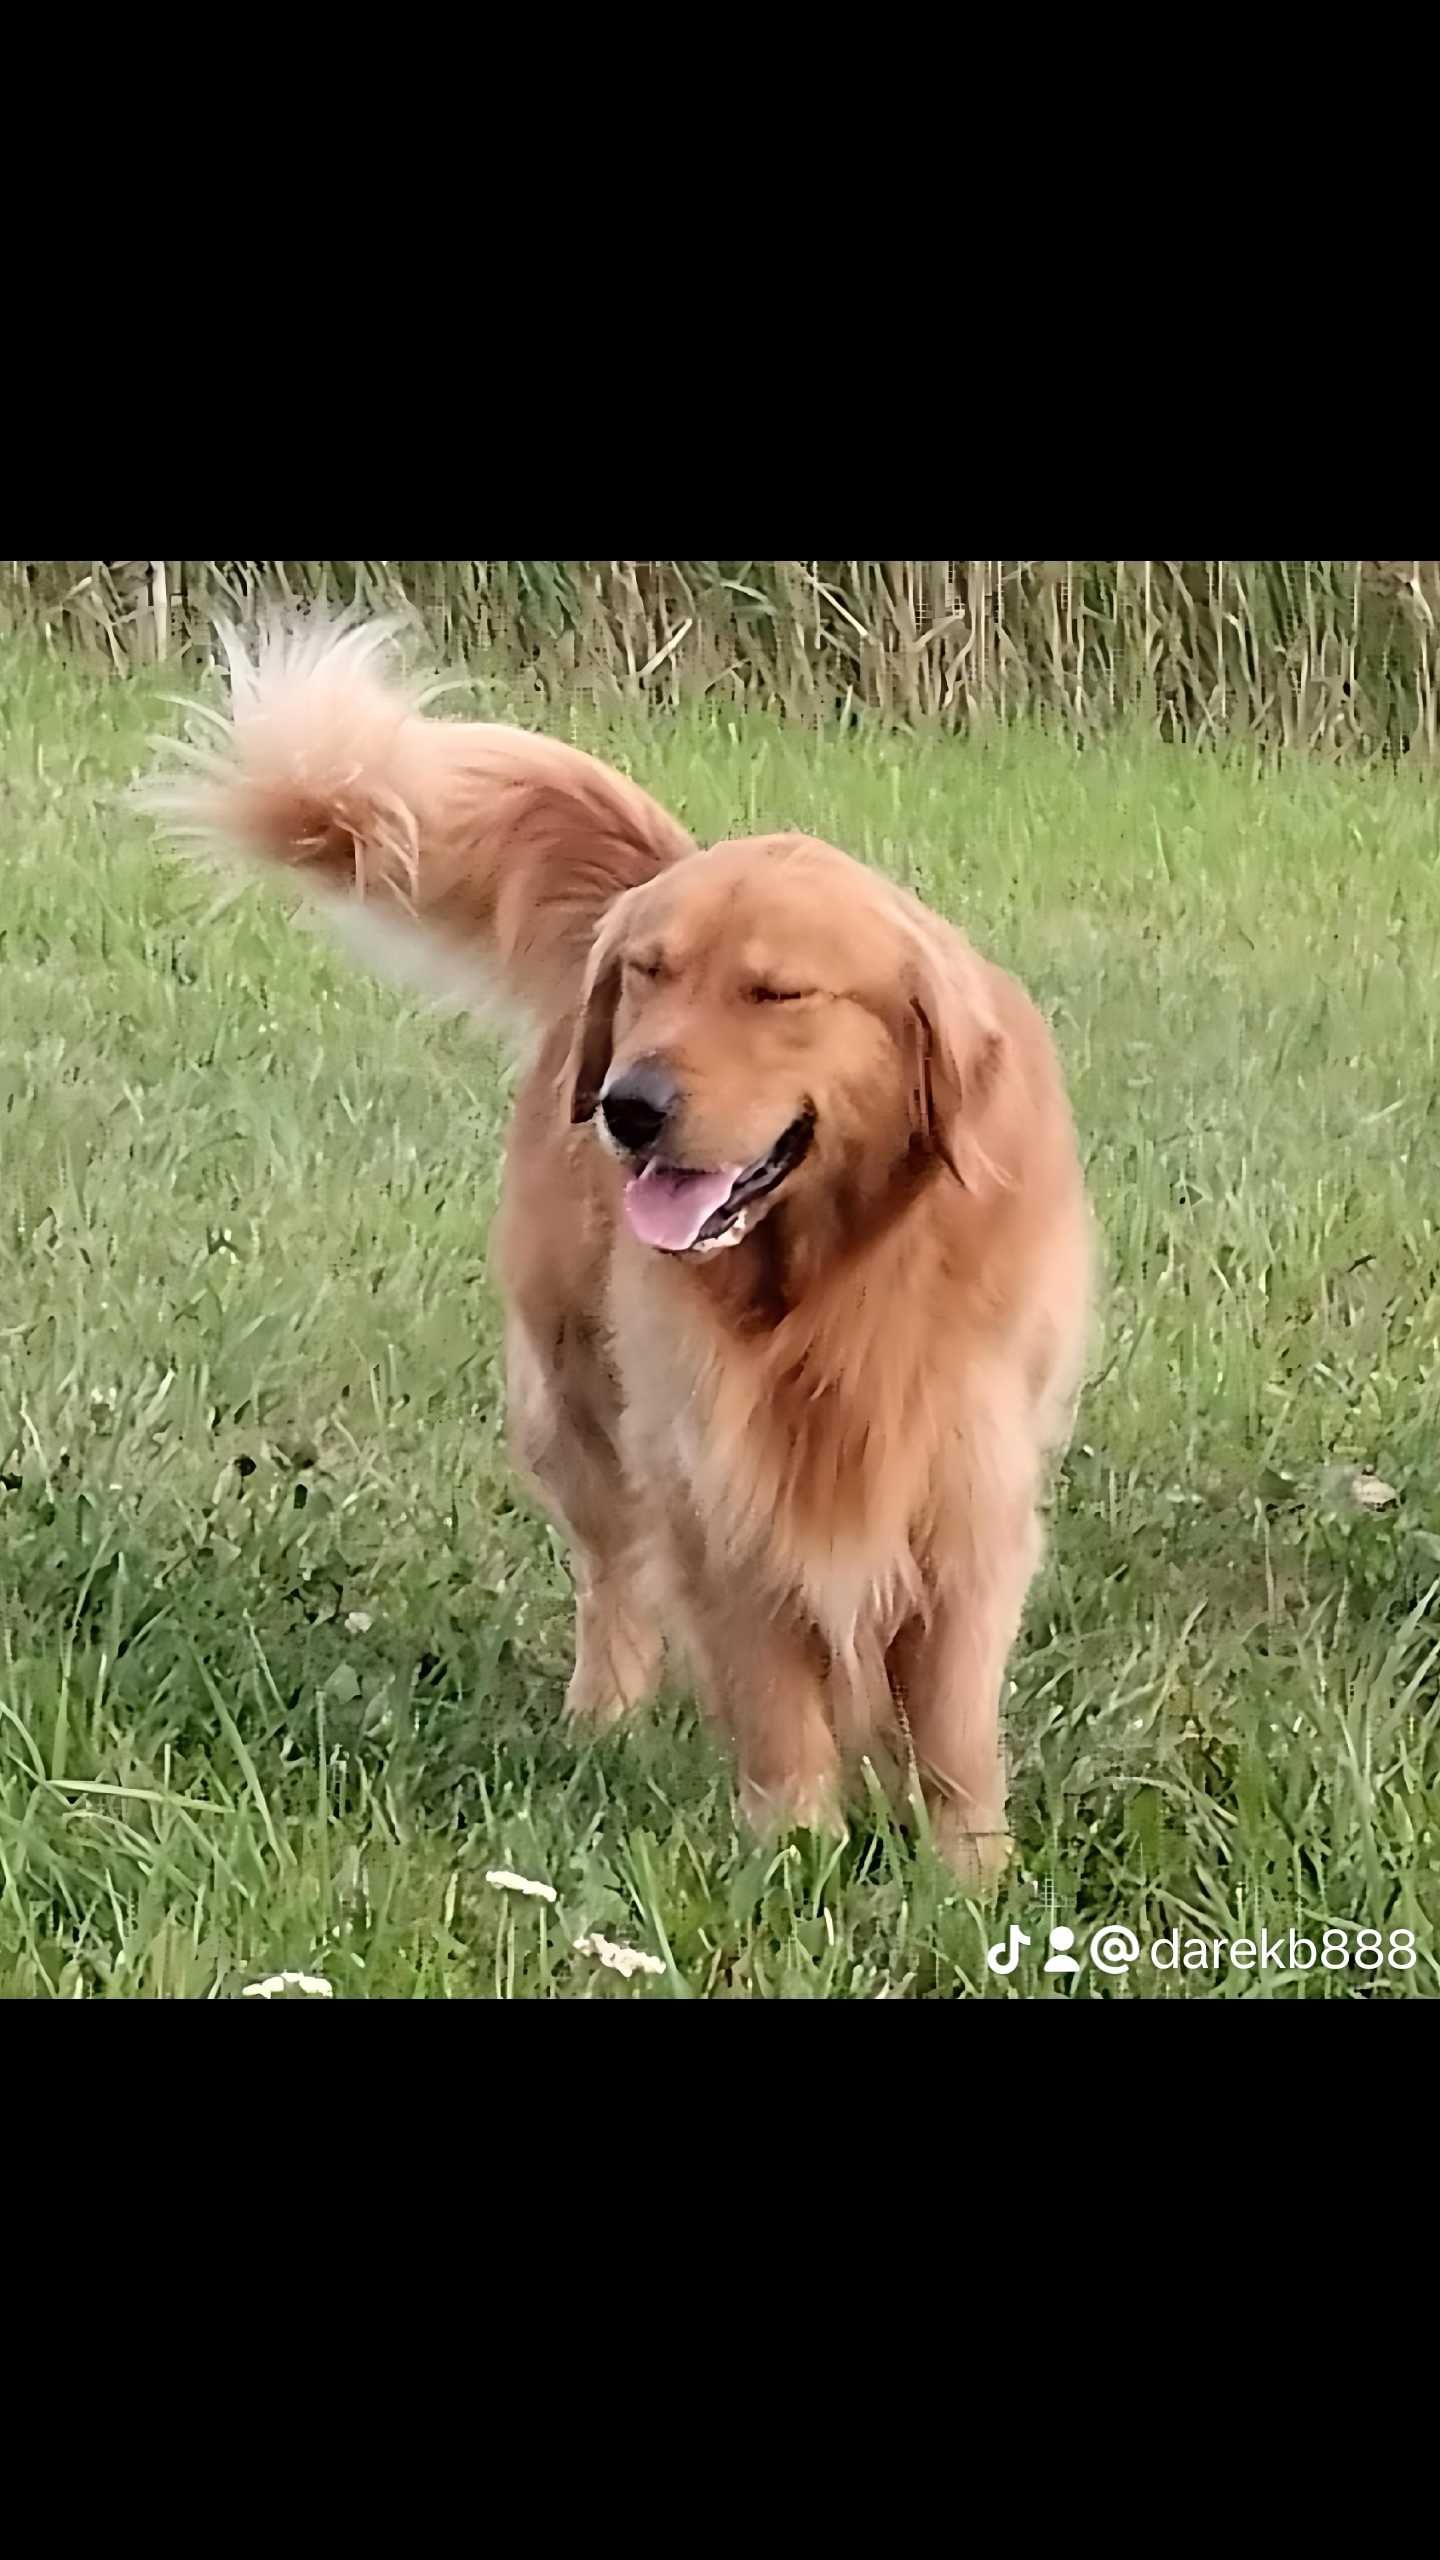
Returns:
point(638, 1104)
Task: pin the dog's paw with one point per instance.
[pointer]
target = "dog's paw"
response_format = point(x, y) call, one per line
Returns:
point(977, 1859)
point(617, 1664)
point(803, 1804)
point(598, 1705)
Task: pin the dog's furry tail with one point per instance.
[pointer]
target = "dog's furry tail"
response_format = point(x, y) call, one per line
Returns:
point(506, 848)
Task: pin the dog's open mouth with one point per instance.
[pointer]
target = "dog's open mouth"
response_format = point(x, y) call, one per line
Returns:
point(681, 1210)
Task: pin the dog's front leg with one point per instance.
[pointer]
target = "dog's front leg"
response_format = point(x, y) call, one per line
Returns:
point(761, 1674)
point(562, 1437)
point(948, 1673)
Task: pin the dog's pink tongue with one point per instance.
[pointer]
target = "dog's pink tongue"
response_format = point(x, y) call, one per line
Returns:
point(668, 1209)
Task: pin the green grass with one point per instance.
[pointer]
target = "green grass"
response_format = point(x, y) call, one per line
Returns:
point(282, 1649)
point(1337, 655)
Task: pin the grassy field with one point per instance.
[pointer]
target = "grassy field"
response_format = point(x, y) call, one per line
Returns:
point(282, 1649)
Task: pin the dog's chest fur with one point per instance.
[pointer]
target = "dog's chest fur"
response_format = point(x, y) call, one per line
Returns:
point(807, 1455)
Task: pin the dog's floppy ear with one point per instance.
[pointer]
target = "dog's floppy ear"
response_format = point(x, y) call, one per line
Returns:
point(588, 1063)
point(958, 1054)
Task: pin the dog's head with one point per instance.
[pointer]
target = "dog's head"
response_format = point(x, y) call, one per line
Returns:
point(769, 1020)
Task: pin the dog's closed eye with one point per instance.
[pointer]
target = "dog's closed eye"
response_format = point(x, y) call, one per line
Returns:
point(779, 995)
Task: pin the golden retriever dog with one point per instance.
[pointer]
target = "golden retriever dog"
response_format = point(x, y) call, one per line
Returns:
point(793, 1241)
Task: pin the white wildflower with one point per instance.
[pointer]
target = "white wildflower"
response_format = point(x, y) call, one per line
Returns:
point(505, 1882)
point(621, 1960)
point(311, 1986)
point(359, 1623)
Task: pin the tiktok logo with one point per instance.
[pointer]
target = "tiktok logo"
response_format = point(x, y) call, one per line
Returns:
point(1004, 1956)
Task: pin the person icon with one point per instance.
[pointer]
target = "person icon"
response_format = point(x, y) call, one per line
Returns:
point(1061, 1960)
